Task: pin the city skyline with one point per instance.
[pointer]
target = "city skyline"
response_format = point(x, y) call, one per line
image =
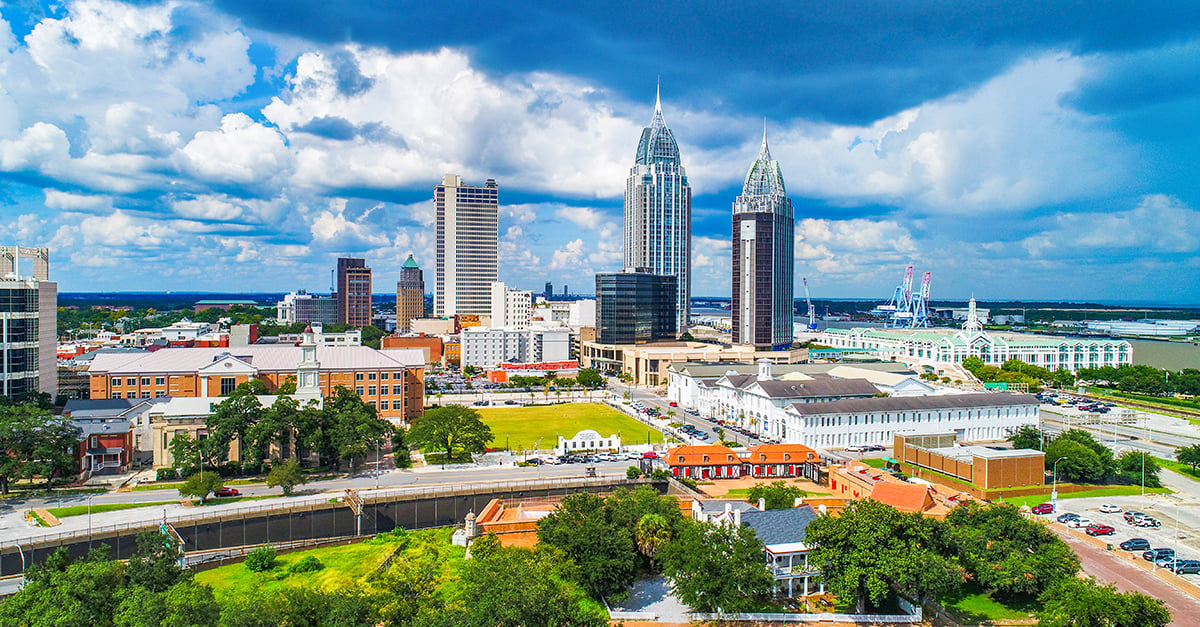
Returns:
point(1039, 152)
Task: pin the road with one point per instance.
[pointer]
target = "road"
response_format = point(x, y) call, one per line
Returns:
point(652, 399)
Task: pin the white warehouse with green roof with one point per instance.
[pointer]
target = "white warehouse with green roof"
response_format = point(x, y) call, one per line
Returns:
point(931, 347)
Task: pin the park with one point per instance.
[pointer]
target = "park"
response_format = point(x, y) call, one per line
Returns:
point(538, 427)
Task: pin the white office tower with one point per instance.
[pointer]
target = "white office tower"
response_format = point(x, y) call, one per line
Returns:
point(467, 237)
point(511, 309)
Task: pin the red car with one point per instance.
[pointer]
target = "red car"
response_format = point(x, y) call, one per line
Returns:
point(650, 455)
point(1100, 530)
point(1044, 508)
point(673, 404)
point(226, 492)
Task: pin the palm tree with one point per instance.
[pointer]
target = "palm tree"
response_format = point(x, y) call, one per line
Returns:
point(652, 533)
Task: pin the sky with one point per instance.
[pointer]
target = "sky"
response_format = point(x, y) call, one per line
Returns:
point(1016, 150)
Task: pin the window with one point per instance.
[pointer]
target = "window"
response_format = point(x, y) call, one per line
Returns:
point(358, 390)
point(358, 376)
point(383, 405)
point(228, 384)
point(131, 395)
point(371, 390)
point(146, 394)
point(370, 376)
point(145, 380)
point(115, 395)
point(160, 380)
point(397, 390)
point(95, 441)
point(130, 381)
point(159, 394)
point(383, 376)
point(116, 382)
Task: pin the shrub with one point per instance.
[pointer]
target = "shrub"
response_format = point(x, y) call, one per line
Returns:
point(166, 474)
point(660, 474)
point(633, 472)
point(307, 565)
point(261, 559)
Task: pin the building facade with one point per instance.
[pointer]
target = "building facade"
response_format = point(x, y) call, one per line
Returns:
point(635, 307)
point(763, 257)
point(931, 347)
point(483, 347)
point(28, 324)
point(392, 381)
point(410, 295)
point(658, 213)
point(353, 292)
point(467, 238)
point(512, 309)
point(304, 307)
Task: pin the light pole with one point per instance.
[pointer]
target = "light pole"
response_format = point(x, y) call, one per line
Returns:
point(1054, 490)
point(22, 552)
point(89, 502)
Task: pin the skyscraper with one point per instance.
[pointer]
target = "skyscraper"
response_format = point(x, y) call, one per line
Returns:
point(410, 294)
point(658, 213)
point(635, 307)
point(353, 292)
point(467, 238)
point(28, 324)
point(763, 257)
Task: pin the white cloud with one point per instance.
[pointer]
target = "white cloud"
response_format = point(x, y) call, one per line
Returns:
point(243, 151)
point(569, 256)
point(1159, 224)
point(39, 144)
point(76, 202)
point(332, 230)
point(583, 217)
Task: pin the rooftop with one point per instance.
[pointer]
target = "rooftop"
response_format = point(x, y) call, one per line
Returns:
point(263, 357)
point(906, 403)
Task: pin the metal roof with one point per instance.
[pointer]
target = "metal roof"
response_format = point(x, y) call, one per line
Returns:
point(906, 403)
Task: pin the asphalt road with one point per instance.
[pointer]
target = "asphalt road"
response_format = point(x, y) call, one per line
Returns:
point(651, 399)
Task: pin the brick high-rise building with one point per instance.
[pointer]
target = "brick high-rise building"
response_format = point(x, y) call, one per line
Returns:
point(467, 240)
point(353, 292)
point(410, 294)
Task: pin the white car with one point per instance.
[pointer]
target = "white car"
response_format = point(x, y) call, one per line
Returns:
point(1079, 522)
point(1109, 508)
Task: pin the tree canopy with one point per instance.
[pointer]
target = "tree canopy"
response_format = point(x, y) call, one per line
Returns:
point(716, 567)
point(1007, 553)
point(1083, 458)
point(35, 443)
point(775, 495)
point(451, 429)
point(1026, 436)
point(1073, 602)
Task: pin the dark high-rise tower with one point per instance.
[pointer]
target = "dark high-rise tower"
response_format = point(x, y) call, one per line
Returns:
point(410, 294)
point(353, 292)
point(763, 257)
point(658, 213)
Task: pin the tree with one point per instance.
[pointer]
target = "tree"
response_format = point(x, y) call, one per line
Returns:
point(872, 547)
point(653, 532)
point(154, 565)
point(1074, 602)
point(261, 559)
point(776, 495)
point(1189, 455)
point(1086, 459)
point(1134, 466)
point(234, 416)
point(67, 593)
point(352, 426)
point(287, 476)
point(1006, 553)
point(201, 484)
point(35, 443)
point(590, 378)
point(451, 428)
point(1026, 436)
point(604, 551)
point(717, 567)
point(516, 587)
point(274, 427)
point(186, 604)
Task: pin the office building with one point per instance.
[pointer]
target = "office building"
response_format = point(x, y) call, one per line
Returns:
point(28, 324)
point(763, 258)
point(658, 213)
point(353, 292)
point(410, 294)
point(635, 307)
point(511, 308)
point(467, 239)
point(490, 348)
point(304, 307)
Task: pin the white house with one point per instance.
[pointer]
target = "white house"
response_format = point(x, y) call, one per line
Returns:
point(588, 440)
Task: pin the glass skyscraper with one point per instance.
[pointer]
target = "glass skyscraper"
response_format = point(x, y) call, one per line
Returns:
point(658, 213)
point(763, 257)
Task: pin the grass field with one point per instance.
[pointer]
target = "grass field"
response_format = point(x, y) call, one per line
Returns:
point(1124, 490)
point(974, 606)
point(346, 566)
point(78, 510)
point(522, 427)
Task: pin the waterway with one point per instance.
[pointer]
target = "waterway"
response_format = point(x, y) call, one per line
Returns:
point(1169, 355)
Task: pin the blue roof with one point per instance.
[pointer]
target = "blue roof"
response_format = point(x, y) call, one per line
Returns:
point(780, 526)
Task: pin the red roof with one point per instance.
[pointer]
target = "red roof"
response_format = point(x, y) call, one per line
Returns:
point(906, 497)
point(782, 454)
point(704, 455)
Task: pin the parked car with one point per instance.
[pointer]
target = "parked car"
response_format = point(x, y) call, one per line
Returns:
point(1166, 561)
point(877, 447)
point(1135, 544)
point(1066, 518)
point(1099, 530)
point(849, 449)
point(1187, 567)
point(1044, 508)
point(223, 491)
point(1153, 555)
point(1147, 521)
point(1076, 523)
point(1131, 514)
point(650, 455)
point(673, 404)
point(1109, 508)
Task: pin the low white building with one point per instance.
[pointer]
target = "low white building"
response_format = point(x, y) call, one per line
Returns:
point(351, 337)
point(867, 421)
point(890, 383)
point(488, 348)
point(932, 347)
point(588, 440)
point(572, 313)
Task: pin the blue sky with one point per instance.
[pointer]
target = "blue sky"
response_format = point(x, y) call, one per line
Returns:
point(1040, 150)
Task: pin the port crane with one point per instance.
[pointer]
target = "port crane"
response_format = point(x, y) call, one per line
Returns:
point(812, 316)
point(906, 309)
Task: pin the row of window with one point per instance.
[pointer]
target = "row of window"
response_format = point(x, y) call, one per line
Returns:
point(397, 390)
point(116, 382)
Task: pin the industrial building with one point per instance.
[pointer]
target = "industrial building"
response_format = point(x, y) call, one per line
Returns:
point(984, 467)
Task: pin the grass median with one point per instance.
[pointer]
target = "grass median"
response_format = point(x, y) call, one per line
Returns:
point(79, 510)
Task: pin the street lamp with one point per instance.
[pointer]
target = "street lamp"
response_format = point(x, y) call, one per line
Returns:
point(1054, 490)
point(22, 552)
point(89, 502)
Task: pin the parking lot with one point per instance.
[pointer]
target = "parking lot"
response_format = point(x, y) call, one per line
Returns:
point(1159, 506)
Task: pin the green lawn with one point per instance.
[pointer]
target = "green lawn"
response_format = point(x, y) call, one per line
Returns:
point(522, 427)
point(78, 510)
point(346, 566)
point(1124, 490)
point(974, 606)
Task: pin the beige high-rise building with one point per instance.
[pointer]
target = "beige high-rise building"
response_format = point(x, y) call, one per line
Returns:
point(467, 239)
point(28, 324)
point(410, 295)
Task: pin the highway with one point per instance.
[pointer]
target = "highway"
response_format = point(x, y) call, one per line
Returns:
point(1156, 443)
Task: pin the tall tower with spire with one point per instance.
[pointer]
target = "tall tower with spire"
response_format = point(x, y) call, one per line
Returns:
point(763, 257)
point(658, 212)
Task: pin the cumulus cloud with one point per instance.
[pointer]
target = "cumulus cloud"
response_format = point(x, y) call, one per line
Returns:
point(1159, 224)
